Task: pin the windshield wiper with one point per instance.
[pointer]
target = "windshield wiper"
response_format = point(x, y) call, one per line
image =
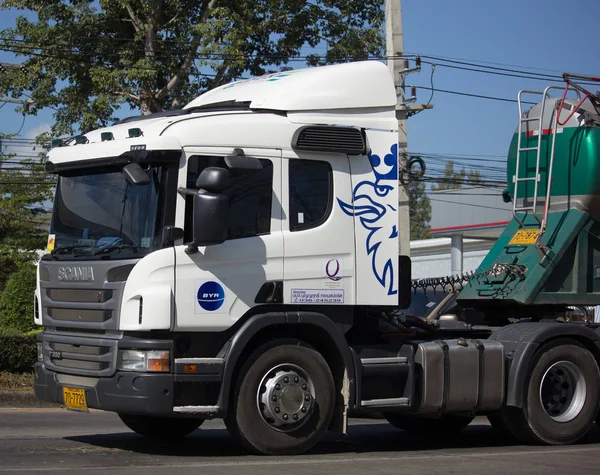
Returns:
point(114, 247)
point(70, 247)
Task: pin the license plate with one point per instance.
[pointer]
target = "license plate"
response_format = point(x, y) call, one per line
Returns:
point(524, 237)
point(75, 399)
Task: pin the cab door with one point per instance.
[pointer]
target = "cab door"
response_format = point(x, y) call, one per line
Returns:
point(318, 234)
point(218, 284)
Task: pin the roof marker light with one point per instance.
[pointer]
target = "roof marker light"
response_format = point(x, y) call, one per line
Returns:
point(107, 136)
point(135, 132)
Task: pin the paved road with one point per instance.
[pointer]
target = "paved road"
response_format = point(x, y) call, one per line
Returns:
point(54, 441)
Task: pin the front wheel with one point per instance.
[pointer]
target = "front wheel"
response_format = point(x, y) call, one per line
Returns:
point(446, 425)
point(160, 427)
point(563, 396)
point(284, 399)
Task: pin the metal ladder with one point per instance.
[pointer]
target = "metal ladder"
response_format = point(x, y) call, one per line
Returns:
point(542, 220)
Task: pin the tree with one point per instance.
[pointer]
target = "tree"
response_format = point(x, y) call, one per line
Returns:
point(23, 217)
point(419, 210)
point(453, 179)
point(16, 302)
point(87, 58)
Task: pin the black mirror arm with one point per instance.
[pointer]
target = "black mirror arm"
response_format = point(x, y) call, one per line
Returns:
point(186, 191)
point(191, 248)
point(170, 235)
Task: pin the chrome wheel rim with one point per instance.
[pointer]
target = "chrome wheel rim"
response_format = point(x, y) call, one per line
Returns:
point(285, 397)
point(563, 391)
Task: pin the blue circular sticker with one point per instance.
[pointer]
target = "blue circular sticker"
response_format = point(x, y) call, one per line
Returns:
point(211, 296)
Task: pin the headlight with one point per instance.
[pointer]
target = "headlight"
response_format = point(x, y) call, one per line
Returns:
point(143, 360)
point(40, 352)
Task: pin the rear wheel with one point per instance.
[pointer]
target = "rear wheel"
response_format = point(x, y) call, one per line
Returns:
point(160, 427)
point(447, 424)
point(563, 396)
point(284, 399)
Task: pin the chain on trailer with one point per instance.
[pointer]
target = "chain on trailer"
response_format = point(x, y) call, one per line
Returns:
point(499, 272)
point(449, 285)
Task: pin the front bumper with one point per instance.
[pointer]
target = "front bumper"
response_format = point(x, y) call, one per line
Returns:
point(125, 392)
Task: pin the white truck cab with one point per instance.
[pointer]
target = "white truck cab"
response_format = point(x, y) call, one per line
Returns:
point(239, 259)
point(271, 196)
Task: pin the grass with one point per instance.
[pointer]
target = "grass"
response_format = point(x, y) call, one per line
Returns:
point(15, 381)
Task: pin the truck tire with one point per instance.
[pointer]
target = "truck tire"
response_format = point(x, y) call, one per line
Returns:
point(446, 425)
point(562, 399)
point(283, 401)
point(160, 427)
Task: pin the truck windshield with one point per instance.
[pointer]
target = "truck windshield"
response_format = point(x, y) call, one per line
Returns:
point(100, 215)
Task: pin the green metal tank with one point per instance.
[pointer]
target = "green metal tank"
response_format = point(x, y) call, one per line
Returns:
point(547, 257)
point(575, 179)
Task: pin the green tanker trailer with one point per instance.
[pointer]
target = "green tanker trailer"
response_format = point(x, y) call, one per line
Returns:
point(548, 256)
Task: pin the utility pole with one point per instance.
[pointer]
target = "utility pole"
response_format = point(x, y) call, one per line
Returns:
point(399, 67)
point(394, 52)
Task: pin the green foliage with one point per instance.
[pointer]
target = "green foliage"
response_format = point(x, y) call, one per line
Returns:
point(16, 302)
point(23, 218)
point(419, 210)
point(87, 58)
point(7, 267)
point(18, 353)
point(457, 179)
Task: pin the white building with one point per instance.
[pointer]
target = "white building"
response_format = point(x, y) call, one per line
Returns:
point(465, 224)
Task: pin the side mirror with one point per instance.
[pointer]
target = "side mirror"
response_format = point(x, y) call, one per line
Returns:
point(213, 179)
point(211, 208)
point(135, 175)
point(211, 216)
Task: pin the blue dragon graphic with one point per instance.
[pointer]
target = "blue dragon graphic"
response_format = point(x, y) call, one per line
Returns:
point(366, 205)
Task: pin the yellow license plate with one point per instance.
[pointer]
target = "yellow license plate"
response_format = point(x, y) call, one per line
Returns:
point(75, 399)
point(524, 237)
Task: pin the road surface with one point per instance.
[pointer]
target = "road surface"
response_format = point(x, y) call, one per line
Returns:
point(55, 441)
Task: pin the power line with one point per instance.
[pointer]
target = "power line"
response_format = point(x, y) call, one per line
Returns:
point(179, 47)
point(501, 71)
point(458, 155)
point(478, 96)
point(473, 205)
point(484, 62)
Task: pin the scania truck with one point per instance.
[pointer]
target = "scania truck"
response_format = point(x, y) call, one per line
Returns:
point(238, 259)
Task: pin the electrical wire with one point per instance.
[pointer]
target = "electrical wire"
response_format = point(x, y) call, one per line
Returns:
point(473, 205)
point(478, 96)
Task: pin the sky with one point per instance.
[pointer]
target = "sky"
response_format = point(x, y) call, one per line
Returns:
point(540, 36)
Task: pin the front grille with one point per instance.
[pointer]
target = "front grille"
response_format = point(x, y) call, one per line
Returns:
point(80, 355)
point(79, 315)
point(82, 308)
point(79, 295)
point(87, 305)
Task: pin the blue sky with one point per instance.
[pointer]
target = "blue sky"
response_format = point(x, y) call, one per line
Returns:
point(547, 36)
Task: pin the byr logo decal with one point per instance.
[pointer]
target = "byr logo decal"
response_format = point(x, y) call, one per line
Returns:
point(211, 296)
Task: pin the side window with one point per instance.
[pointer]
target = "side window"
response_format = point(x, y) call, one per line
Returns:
point(311, 193)
point(250, 197)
